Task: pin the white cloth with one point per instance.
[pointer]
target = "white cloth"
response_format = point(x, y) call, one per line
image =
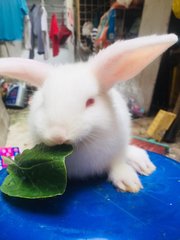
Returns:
point(27, 33)
point(45, 32)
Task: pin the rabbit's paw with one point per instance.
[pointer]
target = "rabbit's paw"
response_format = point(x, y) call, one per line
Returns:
point(125, 178)
point(139, 160)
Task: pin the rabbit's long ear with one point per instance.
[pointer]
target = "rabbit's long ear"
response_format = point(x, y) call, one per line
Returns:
point(31, 71)
point(125, 59)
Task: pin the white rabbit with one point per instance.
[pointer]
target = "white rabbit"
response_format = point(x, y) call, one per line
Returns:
point(76, 104)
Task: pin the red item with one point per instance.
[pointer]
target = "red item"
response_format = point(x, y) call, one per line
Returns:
point(54, 34)
point(149, 146)
point(64, 32)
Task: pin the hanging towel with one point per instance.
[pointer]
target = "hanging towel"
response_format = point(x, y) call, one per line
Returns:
point(54, 34)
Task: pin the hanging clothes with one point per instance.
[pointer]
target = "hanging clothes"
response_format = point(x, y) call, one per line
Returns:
point(54, 34)
point(93, 39)
point(101, 40)
point(45, 32)
point(112, 25)
point(36, 30)
point(27, 33)
point(64, 32)
point(12, 14)
point(39, 31)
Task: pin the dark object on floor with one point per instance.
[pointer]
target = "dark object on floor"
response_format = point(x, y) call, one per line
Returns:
point(173, 131)
point(171, 134)
point(95, 210)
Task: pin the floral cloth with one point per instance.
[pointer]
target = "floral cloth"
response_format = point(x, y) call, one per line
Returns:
point(10, 152)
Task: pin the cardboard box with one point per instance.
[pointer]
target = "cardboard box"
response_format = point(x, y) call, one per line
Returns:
point(160, 124)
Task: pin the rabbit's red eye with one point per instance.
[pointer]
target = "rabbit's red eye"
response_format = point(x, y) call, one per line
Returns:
point(90, 102)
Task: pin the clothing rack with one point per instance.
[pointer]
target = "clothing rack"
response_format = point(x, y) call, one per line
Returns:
point(58, 7)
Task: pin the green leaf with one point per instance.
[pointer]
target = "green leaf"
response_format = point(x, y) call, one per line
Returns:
point(38, 173)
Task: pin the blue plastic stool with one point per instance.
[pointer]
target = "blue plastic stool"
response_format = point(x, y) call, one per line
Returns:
point(95, 210)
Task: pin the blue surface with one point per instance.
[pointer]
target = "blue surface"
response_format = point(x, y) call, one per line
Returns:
point(95, 210)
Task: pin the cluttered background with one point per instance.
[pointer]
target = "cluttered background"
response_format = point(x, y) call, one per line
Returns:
point(67, 31)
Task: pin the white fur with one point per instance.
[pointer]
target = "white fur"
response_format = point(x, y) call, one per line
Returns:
point(139, 160)
point(124, 177)
point(101, 132)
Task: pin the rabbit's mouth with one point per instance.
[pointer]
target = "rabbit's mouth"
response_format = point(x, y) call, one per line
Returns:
point(68, 142)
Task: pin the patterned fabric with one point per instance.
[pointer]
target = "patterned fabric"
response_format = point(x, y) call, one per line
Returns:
point(10, 152)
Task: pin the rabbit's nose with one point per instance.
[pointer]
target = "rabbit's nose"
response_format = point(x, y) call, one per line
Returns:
point(58, 140)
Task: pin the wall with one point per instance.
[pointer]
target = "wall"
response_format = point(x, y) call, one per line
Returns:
point(155, 20)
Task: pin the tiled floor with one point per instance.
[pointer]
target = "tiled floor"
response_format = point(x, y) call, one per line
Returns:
point(18, 132)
